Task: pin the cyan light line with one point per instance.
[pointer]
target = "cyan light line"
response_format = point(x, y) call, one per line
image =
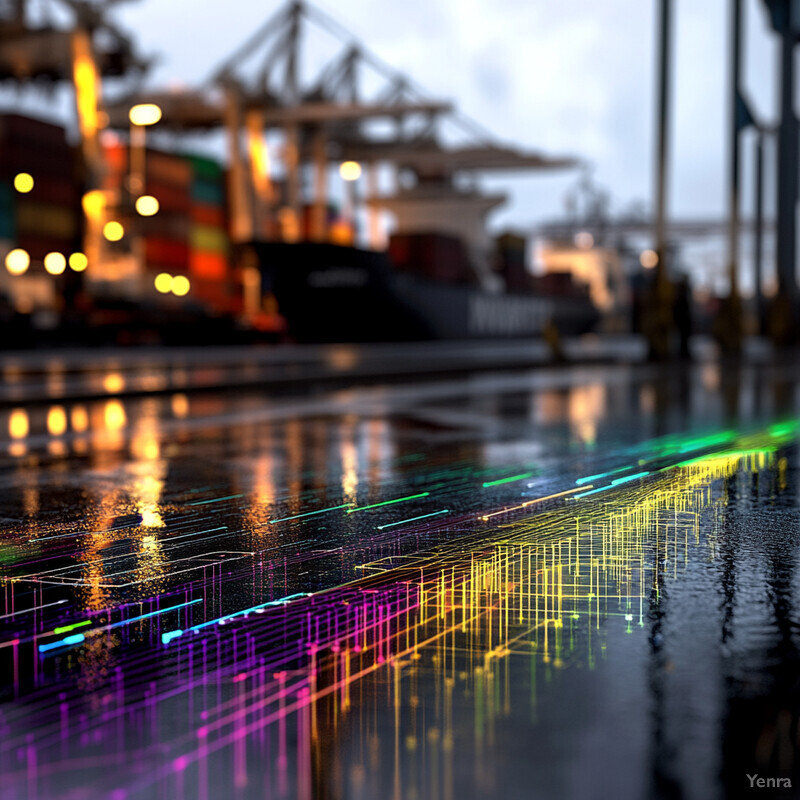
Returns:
point(414, 519)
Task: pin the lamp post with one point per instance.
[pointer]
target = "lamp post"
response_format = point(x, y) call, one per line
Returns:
point(350, 172)
point(141, 117)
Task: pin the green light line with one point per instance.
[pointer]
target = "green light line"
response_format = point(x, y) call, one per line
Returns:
point(309, 513)
point(508, 480)
point(388, 502)
point(67, 628)
point(414, 519)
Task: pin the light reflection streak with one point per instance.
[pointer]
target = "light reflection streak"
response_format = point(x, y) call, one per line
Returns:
point(543, 587)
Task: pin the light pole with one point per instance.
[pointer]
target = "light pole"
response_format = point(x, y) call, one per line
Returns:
point(141, 117)
point(350, 172)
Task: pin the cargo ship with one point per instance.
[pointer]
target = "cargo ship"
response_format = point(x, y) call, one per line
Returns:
point(114, 240)
point(335, 293)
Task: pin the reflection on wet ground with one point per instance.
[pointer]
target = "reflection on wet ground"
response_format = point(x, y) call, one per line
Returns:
point(568, 583)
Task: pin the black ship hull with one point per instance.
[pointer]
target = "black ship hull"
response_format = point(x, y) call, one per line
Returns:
point(331, 293)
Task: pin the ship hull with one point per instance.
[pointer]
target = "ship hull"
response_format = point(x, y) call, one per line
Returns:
point(330, 293)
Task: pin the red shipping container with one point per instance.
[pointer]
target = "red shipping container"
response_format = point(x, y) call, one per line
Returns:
point(166, 253)
point(213, 216)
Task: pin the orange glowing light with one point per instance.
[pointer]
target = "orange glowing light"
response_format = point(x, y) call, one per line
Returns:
point(18, 425)
point(113, 382)
point(648, 259)
point(56, 421)
point(114, 415)
point(55, 263)
point(18, 261)
point(180, 405)
point(350, 170)
point(93, 204)
point(147, 206)
point(144, 114)
point(79, 419)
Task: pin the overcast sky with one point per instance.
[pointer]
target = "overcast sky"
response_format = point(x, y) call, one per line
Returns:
point(572, 77)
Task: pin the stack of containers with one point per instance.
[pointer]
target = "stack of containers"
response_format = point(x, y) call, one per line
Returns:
point(164, 236)
point(209, 243)
point(46, 219)
point(166, 247)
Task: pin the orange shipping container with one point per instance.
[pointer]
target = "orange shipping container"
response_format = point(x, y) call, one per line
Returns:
point(208, 266)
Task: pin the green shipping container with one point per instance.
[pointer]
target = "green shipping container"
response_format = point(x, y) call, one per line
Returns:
point(208, 192)
point(205, 168)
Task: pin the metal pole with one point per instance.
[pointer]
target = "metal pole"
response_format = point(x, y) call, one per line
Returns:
point(759, 233)
point(663, 130)
point(787, 174)
point(659, 316)
point(733, 197)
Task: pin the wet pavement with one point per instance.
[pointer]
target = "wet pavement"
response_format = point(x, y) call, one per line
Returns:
point(575, 582)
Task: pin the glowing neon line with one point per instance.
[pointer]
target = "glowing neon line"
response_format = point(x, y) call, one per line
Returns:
point(215, 500)
point(310, 513)
point(591, 478)
point(485, 517)
point(36, 608)
point(627, 478)
point(170, 635)
point(151, 614)
point(507, 480)
point(414, 519)
point(76, 638)
point(388, 502)
point(68, 628)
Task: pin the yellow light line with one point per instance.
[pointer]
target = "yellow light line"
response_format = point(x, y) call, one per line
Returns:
point(485, 517)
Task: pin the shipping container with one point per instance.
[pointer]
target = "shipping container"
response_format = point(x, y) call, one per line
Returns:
point(167, 169)
point(60, 222)
point(211, 216)
point(166, 253)
point(208, 266)
point(206, 238)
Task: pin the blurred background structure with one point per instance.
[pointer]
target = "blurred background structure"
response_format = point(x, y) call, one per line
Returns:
point(306, 190)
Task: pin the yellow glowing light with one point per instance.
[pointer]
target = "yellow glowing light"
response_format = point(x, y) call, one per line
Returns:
point(114, 415)
point(180, 405)
point(113, 231)
point(163, 282)
point(113, 382)
point(144, 114)
point(180, 285)
point(78, 262)
point(93, 204)
point(55, 263)
point(350, 170)
point(147, 206)
point(87, 85)
point(18, 261)
point(56, 421)
point(80, 419)
point(18, 425)
point(648, 259)
point(23, 182)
